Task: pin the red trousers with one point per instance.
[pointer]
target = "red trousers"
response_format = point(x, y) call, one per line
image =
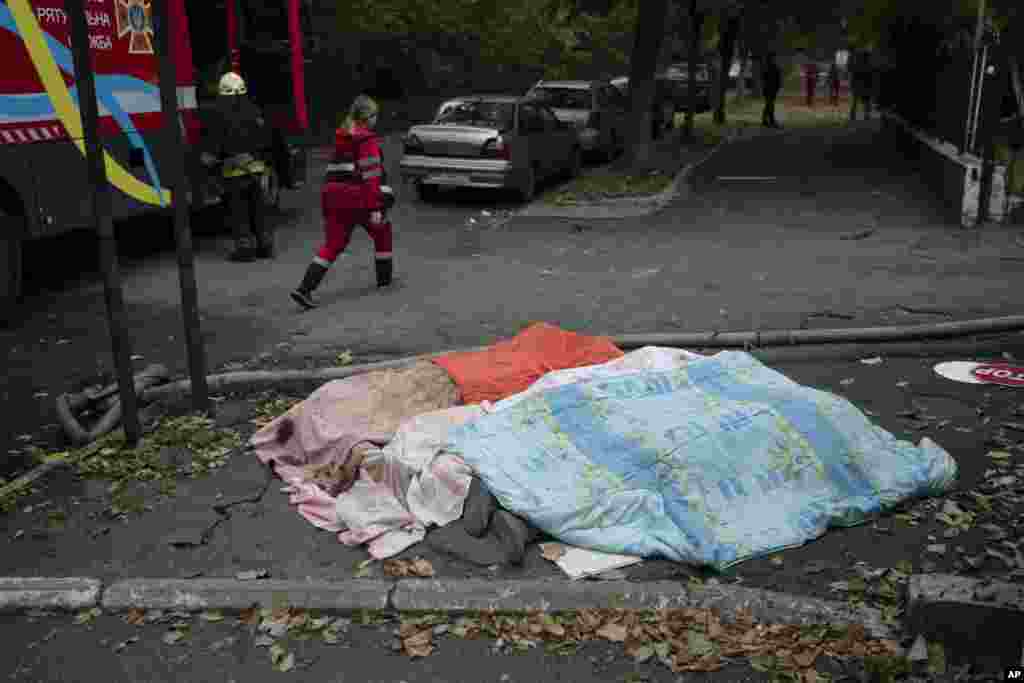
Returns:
point(339, 221)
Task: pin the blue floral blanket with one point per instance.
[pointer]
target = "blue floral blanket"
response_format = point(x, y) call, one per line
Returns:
point(712, 462)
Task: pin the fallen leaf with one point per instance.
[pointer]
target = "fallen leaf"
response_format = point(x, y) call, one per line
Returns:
point(263, 641)
point(286, 664)
point(614, 632)
point(252, 575)
point(698, 644)
point(643, 654)
point(212, 616)
point(87, 616)
point(936, 659)
point(871, 361)
point(552, 551)
point(363, 569)
point(173, 637)
point(135, 616)
point(847, 382)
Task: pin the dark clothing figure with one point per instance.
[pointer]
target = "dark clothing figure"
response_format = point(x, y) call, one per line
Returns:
point(862, 85)
point(834, 83)
point(771, 81)
point(245, 209)
point(237, 139)
point(810, 82)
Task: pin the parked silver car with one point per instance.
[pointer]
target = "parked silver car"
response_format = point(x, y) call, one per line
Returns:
point(489, 141)
point(598, 110)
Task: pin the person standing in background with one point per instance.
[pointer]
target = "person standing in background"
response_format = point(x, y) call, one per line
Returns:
point(834, 81)
point(771, 83)
point(810, 81)
point(862, 83)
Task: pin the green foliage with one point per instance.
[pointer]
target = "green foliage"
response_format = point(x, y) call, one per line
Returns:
point(526, 32)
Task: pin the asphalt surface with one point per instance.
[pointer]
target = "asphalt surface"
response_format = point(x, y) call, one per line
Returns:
point(837, 231)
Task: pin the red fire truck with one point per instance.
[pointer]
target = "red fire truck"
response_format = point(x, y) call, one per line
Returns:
point(44, 185)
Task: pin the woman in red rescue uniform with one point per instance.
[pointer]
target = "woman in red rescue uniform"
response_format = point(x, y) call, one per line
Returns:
point(355, 192)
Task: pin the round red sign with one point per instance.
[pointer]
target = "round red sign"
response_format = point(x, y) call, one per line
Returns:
point(998, 373)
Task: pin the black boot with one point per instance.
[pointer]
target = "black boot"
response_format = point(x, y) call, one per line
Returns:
point(383, 272)
point(513, 534)
point(303, 296)
point(264, 246)
point(478, 509)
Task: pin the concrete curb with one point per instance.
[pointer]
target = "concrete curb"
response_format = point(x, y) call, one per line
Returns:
point(627, 207)
point(29, 592)
point(200, 594)
point(518, 596)
point(435, 595)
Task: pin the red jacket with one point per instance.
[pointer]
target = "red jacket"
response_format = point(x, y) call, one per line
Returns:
point(356, 174)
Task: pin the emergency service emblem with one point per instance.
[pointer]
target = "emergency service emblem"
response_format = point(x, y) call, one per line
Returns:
point(135, 19)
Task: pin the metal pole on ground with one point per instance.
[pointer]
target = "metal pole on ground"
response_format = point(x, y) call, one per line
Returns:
point(175, 172)
point(101, 209)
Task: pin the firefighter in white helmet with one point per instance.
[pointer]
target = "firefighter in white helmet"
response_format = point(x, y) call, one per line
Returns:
point(238, 139)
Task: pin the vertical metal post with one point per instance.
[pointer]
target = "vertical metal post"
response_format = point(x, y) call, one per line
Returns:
point(101, 210)
point(175, 172)
point(976, 79)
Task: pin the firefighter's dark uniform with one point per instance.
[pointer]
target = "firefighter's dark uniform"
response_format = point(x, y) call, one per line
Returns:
point(238, 136)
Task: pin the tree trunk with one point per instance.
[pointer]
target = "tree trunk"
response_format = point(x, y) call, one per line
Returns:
point(726, 51)
point(643, 62)
point(696, 29)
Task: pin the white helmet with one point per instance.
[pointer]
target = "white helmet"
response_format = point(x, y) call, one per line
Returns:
point(232, 84)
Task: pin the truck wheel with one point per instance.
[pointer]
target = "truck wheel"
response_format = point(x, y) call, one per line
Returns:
point(11, 240)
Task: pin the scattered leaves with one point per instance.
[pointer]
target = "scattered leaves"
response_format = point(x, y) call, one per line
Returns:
point(364, 568)
point(417, 567)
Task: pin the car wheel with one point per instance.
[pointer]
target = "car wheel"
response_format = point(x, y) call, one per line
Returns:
point(425, 192)
point(11, 241)
point(529, 187)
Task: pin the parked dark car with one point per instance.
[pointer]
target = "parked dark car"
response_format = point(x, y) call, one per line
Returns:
point(596, 108)
point(663, 106)
point(489, 141)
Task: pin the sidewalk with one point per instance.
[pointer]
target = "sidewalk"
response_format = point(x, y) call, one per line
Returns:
point(236, 521)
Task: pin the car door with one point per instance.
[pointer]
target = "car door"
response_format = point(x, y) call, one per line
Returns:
point(559, 139)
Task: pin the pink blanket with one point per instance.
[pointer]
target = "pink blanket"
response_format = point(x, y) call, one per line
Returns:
point(363, 410)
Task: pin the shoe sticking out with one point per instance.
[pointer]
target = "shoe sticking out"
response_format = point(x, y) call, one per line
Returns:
point(304, 299)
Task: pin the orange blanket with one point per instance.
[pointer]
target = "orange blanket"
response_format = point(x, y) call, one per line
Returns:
point(511, 366)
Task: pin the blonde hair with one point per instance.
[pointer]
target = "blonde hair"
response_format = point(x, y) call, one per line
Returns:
point(361, 110)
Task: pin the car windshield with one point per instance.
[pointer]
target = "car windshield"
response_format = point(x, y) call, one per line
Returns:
point(564, 98)
point(497, 114)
